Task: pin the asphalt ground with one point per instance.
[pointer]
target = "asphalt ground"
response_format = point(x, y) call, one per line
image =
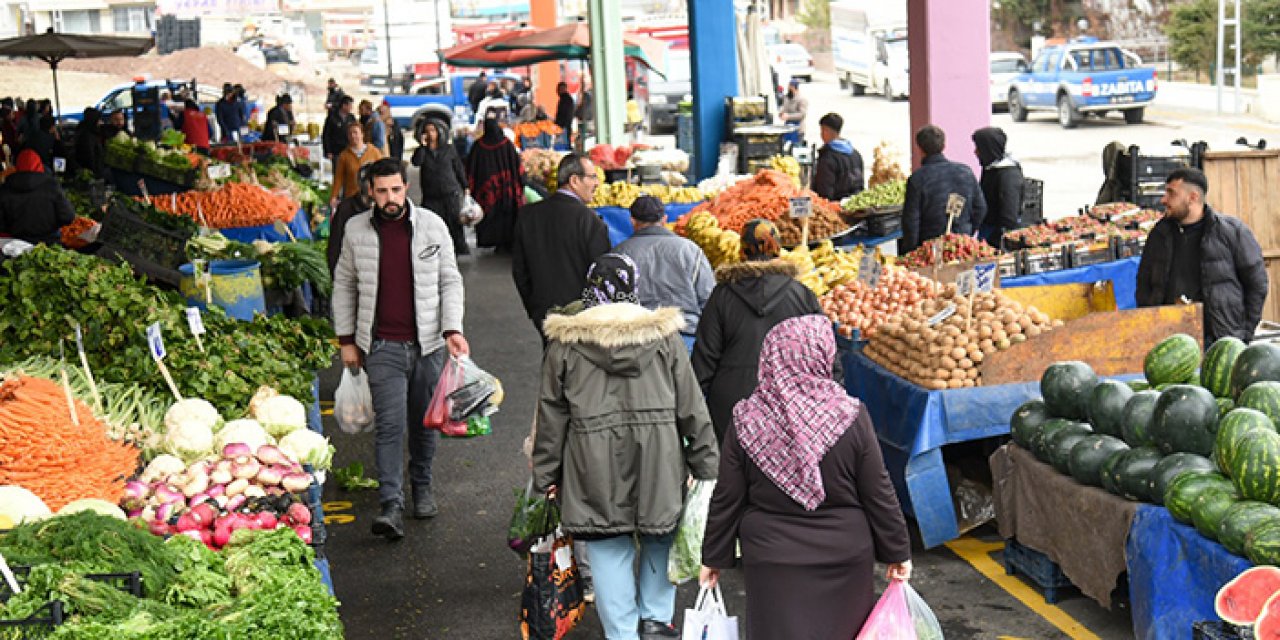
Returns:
point(454, 577)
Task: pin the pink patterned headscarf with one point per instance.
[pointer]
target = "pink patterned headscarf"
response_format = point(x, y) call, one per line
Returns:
point(797, 412)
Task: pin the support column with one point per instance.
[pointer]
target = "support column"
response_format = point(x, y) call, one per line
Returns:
point(542, 15)
point(608, 70)
point(950, 43)
point(714, 57)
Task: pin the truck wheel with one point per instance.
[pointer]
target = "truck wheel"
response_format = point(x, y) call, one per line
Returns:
point(1017, 110)
point(1134, 116)
point(858, 89)
point(1067, 115)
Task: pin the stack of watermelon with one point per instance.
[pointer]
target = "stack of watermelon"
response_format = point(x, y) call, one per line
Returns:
point(1199, 436)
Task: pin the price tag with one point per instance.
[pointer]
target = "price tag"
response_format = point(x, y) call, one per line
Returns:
point(955, 205)
point(59, 165)
point(869, 270)
point(947, 312)
point(195, 320)
point(937, 253)
point(218, 171)
point(965, 283)
point(801, 207)
point(142, 186)
point(282, 130)
point(156, 341)
point(984, 276)
point(244, 131)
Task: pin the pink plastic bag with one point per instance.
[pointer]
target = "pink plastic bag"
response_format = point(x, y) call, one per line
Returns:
point(437, 416)
point(890, 619)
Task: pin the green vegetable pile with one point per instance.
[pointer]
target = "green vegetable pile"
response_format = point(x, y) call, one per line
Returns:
point(48, 289)
point(262, 585)
point(284, 265)
point(881, 195)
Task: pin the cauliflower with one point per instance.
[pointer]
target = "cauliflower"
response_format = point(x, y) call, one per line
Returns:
point(281, 415)
point(96, 505)
point(189, 440)
point(163, 466)
point(247, 431)
point(192, 411)
point(308, 447)
point(18, 505)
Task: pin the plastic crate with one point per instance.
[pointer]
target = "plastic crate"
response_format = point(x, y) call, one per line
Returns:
point(1032, 201)
point(1009, 265)
point(40, 624)
point(884, 224)
point(1218, 630)
point(758, 145)
point(130, 583)
point(1127, 247)
point(1037, 566)
point(1035, 261)
point(1085, 255)
point(133, 237)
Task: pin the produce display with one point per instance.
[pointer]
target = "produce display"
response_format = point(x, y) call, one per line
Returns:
point(1101, 223)
point(824, 266)
point(788, 165)
point(609, 157)
point(955, 248)
point(537, 128)
point(716, 185)
point(721, 246)
point(540, 165)
point(885, 194)
point(284, 265)
point(622, 194)
point(132, 413)
point(940, 342)
point(71, 233)
point(234, 204)
point(886, 165)
point(853, 305)
point(145, 157)
point(767, 196)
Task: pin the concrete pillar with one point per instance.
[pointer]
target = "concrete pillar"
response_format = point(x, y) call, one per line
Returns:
point(608, 70)
point(712, 42)
point(949, 43)
point(542, 15)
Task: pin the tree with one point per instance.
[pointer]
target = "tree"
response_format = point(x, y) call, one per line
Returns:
point(1261, 29)
point(1193, 34)
point(816, 14)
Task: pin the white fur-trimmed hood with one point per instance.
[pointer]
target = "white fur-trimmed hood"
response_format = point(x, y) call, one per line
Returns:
point(611, 326)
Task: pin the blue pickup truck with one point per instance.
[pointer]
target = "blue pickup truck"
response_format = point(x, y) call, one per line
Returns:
point(1084, 77)
point(441, 98)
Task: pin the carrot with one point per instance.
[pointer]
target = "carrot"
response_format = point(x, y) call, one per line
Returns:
point(71, 232)
point(767, 196)
point(44, 452)
point(234, 204)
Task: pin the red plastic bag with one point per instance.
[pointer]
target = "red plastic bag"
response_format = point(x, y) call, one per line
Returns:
point(890, 619)
point(437, 416)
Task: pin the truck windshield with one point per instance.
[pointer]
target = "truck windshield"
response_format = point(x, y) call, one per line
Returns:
point(897, 50)
point(369, 56)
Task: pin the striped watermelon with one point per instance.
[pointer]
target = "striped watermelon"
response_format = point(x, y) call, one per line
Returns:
point(1255, 466)
point(1174, 360)
point(1225, 405)
point(1263, 396)
point(1256, 363)
point(1181, 495)
point(1219, 361)
point(1262, 544)
point(1171, 467)
point(1240, 519)
point(1233, 429)
point(1210, 508)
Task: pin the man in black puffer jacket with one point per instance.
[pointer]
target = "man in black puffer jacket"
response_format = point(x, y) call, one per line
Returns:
point(1001, 184)
point(1196, 254)
point(838, 172)
point(924, 213)
point(32, 205)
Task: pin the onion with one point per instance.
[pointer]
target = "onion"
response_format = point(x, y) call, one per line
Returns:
point(245, 467)
point(270, 454)
point(296, 482)
point(270, 476)
point(168, 494)
point(237, 487)
point(236, 450)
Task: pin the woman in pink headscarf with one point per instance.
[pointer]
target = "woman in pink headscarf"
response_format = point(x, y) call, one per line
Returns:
point(803, 488)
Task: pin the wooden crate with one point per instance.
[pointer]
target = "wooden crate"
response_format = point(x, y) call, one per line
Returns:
point(1246, 184)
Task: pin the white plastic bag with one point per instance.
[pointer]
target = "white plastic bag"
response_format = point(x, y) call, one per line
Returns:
point(708, 620)
point(685, 560)
point(472, 213)
point(353, 402)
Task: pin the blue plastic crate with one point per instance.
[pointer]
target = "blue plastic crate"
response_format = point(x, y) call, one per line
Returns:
point(1037, 566)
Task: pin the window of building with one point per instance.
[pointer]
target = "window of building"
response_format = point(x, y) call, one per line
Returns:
point(131, 19)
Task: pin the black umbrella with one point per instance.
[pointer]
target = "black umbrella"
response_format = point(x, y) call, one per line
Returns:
point(56, 47)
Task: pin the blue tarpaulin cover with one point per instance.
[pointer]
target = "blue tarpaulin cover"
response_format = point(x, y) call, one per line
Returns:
point(1174, 574)
point(300, 226)
point(618, 219)
point(1122, 273)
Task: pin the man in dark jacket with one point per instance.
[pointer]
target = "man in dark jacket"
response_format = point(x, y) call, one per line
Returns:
point(32, 205)
point(838, 172)
point(89, 150)
point(230, 114)
point(334, 137)
point(1001, 185)
point(749, 299)
point(564, 109)
point(924, 213)
point(556, 240)
point(279, 125)
point(477, 91)
point(1195, 254)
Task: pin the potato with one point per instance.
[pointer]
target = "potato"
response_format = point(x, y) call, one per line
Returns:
point(1034, 330)
point(969, 384)
point(998, 334)
point(954, 384)
point(972, 374)
point(947, 362)
point(984, 331)
point(937, 385)
point(947, 342)
point(1026, 323)
point(957, 374)
point(965, 363)
point(1017, 338)
point(959, 353)
point(1012, 328)
point(1003, 344)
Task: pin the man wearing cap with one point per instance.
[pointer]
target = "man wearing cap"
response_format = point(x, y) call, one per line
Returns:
point(1195, 254)
point(673, 271)
point(279, 124)
point(795, 107)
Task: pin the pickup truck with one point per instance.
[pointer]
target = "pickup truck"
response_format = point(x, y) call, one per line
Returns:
point(1084, 77)
point(441, 98)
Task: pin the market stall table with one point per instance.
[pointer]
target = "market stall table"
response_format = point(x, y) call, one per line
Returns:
point(1123, 273)
point(618, 219)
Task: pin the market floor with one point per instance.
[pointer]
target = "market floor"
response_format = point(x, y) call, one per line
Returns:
point(453, 577)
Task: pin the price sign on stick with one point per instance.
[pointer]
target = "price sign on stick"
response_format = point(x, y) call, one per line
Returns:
point(142, 186)
point(965, 283)
point(88, 373)
point(196, 322)
point(947, 312)
point(955, 207)
point(984, 276)
point(155, 343)
point(66, 386)
point(801, 207)
point(218, 171)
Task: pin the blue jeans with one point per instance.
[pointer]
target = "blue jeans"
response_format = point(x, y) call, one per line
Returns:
point(616, 575)
point(401, 381)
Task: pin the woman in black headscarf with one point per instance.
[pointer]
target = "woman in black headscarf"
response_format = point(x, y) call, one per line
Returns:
point(1001, 185)
point(443, 181)
point(89, 150)
point(493, 171)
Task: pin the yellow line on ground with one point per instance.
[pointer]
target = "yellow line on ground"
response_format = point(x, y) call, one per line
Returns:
point(978, 554)
point(326, 412)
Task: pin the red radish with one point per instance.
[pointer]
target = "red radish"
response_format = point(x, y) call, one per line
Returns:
point(221, 535)
point(299, 513)
point(303, 532)
point(159, 528)
point(187, 523)
point(206, 537)
point(267, 520)
point(224, 520)
point(204, 514)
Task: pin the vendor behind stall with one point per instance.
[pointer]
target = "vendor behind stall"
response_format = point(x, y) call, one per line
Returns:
point(195, 126)
point(280, 120)
point(32, 205)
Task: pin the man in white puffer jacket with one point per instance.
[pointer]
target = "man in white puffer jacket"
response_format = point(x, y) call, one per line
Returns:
point(397, 308)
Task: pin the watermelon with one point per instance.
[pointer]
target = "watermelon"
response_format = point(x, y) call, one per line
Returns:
point(1175, 359)
point(1262, 544)
point(1135, 422)
point(1225, 405)
point(1263, 396)
point(1231, 434)
point(1107, 476)
point(1133, 473)
point(1180, 497)
point(1039, 443)
point(1088, 456)
point(1209, 509)
point(1258, 362)
point(1267, 625)
point(1255, 466)
point(1060, 444)
point(1139, 385)
point(1026, 420)
point(1241, 518)
point(1172, 466)
point(1219, 360)
point(1066, 387)
point(1241, 601)
point(1185, 419)
point(1106, 406)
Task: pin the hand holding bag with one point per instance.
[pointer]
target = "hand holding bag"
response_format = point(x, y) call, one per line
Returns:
point(551, 604)
point(685, 560)
point(353, 402)
point(437, 416)
point(890, 619)
point(707, 620)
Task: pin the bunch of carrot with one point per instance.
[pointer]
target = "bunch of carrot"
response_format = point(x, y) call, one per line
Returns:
point(43, 450)
point(533, 129)
point(71, 232)
point(767, 196)
point(234, 204)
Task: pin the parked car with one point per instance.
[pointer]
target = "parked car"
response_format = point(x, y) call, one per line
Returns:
point(121, 97)
point(1084, 77)
point(1006, 66)
point(792, 58)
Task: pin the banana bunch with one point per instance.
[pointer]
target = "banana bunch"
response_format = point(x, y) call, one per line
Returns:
point(720, 246)
point(787, 165)
point(823, 268)
point(622, 194)
point(669, 195)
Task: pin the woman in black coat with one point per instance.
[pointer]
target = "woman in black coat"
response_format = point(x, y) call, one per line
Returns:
point(493, 172)
point(89, 150)
point(444, 182)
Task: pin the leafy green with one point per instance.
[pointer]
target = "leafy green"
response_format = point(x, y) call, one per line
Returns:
point(351, 478)
point(284, 265)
